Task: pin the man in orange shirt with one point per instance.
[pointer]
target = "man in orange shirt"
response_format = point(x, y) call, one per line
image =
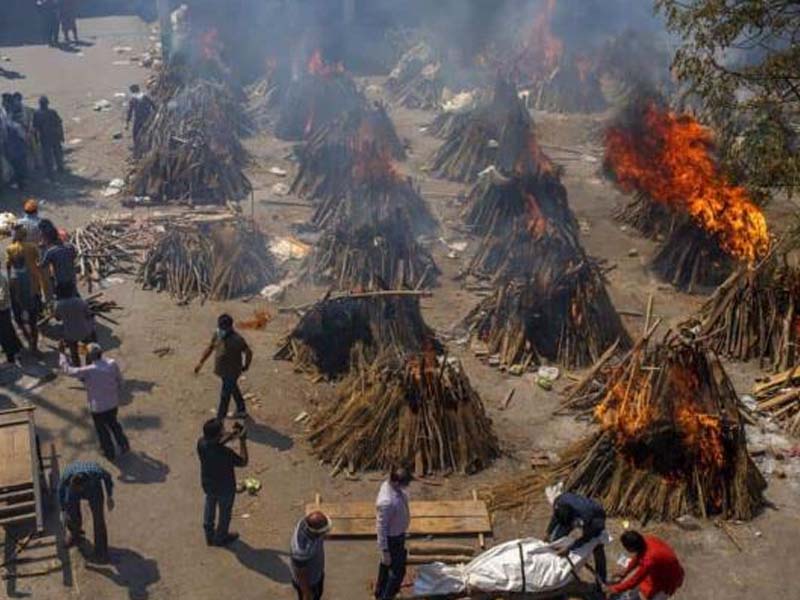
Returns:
point(28, 284)
point(653, 573)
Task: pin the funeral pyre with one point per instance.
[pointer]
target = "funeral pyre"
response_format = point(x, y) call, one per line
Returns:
point(329, 156)
point(549, 301)
point(210, 259)
point(266, 95)
point(369, 234)
point(473, 137)
point(779, 397)
point(316, 96)
point(671, 442)
point(667, 159)
point(416, 81)
point(191, 151)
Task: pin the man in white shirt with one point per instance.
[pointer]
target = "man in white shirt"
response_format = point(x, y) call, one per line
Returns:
point(393, 519)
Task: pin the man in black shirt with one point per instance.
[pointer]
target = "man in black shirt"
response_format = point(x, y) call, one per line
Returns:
point(50, 130)
point(140, 109)
point(217, 464)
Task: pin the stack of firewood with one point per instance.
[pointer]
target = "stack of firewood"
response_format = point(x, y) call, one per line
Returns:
point(191, 149)
point(571, 87)
point(214, 259)
point(779, 397)
point(106, 247)
point(651, 219)
point(266, 95)
point(416, 80)
point(330, 155)
point(671, 442)
point(417, 409)
point(331, 330)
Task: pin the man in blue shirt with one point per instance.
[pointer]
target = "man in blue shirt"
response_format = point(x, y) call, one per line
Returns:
point(85, 481)
point(572, 511)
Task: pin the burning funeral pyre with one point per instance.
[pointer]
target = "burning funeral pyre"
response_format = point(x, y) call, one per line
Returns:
point(473, 140)
point(329, 157)
point(369, 234)
point(401, 400)
point(754, 313)
point(266, 95)
point(416, 81)
point(667, 159)
point(549, 301)
point(315, 97)
point(671, 442)
point(209, 258)
point(417, 409)
point(191, 151)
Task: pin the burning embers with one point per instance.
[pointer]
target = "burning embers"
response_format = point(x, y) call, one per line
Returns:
point(671, 441)
point(668, 158)
point(315, 97)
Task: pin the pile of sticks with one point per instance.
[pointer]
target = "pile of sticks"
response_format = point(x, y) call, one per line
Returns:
point(192, 151)
point(313, 100)
point(416, 80)
point(101, 308)
point(332, 330)
point(572, 87)
point(211, 260)
point(106, 247)
point(651, 219)
point(419, 409)
point(265, 96)
point(473, 140)
point(672, 442)
point(779, 397)
point(754, 313)
point(565, 317)
point(331, 153)
point(692, 260)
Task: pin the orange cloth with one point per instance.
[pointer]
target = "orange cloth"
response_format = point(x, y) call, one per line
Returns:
point(30, 254)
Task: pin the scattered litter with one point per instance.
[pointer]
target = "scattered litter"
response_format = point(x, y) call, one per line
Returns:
point(493, 144)
point(288, 248)
point(122, 49)
point(453, 254)
point(76, 119)
point(280, 189)
point(584, 226)
point(688, 523)
point(5, 58)
point(589, 158)
point(162, 351)
point(121, 63)
point(516, 370)
point(545, 384)
point(74, 142)
point(252, 485)
point(114, 187)
point(550, 373)
point(633, 252)
point(117, 135)
point(278, 171)
point(749, 402)
point(246, 516)
point(102, 105)
point(107, 282)
point(301, 417)
point(275, 291)
point(120, 95)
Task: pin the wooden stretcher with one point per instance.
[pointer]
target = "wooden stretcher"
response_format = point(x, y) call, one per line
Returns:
point(20, 469)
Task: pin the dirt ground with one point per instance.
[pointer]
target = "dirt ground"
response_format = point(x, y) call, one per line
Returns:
point(156, 537)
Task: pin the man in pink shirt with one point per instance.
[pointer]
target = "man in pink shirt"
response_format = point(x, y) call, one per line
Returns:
point(103, 382)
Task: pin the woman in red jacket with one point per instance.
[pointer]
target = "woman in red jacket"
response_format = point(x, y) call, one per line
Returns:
point(654, 571)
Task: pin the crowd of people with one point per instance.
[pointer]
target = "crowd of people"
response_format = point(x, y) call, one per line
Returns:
point(31, 140)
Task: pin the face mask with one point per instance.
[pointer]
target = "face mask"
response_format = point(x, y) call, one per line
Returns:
point(222, 333)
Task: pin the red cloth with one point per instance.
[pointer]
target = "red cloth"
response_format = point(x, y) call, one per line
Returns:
point(657, 570)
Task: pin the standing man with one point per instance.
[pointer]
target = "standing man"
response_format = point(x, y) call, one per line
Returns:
point(17, 152)
point(69, 22)
point(572, 511)
point(30, 221)
point(77, 321)
point(140, 109)
point(50, 129)
point(48, 11)
point(103, 382)
point(217, 464)
point(393, 519)
point(232, 357)
point(27, 283)
point(85, 481)
point(654, 570)
point(59, 257)
point(9, 342)
point(308, 555)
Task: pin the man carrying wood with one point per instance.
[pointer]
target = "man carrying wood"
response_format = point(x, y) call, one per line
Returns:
point(653, 573)
point(572, 511)
point(85, 481)
point(232, 357)
point(77, 320)
point(217, 465)
point(392, 522)
point(308, 555)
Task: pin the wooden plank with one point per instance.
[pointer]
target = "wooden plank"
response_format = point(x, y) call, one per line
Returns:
point(418, 526)
point(36, 475)
point(15, 455)
point(18, 519)
point(366, 510)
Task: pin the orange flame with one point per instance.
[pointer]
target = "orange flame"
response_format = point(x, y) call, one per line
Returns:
point(373, 157)
point(537, 224)
point(543, 49)
point(669, 157)
point(533, 160)
point(210, 44)
point(317, 66)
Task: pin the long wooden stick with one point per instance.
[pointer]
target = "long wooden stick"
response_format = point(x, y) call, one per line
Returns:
point(301, 307)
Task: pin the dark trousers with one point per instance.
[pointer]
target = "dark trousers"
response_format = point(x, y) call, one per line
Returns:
point(316, 590)
point(230, 387)
point(225, 503)
point(107, 425)
point(52, 155)
point(9, 340)
point(600, 567)
point(390, 578)
point(75, 522)
point(19, 164)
